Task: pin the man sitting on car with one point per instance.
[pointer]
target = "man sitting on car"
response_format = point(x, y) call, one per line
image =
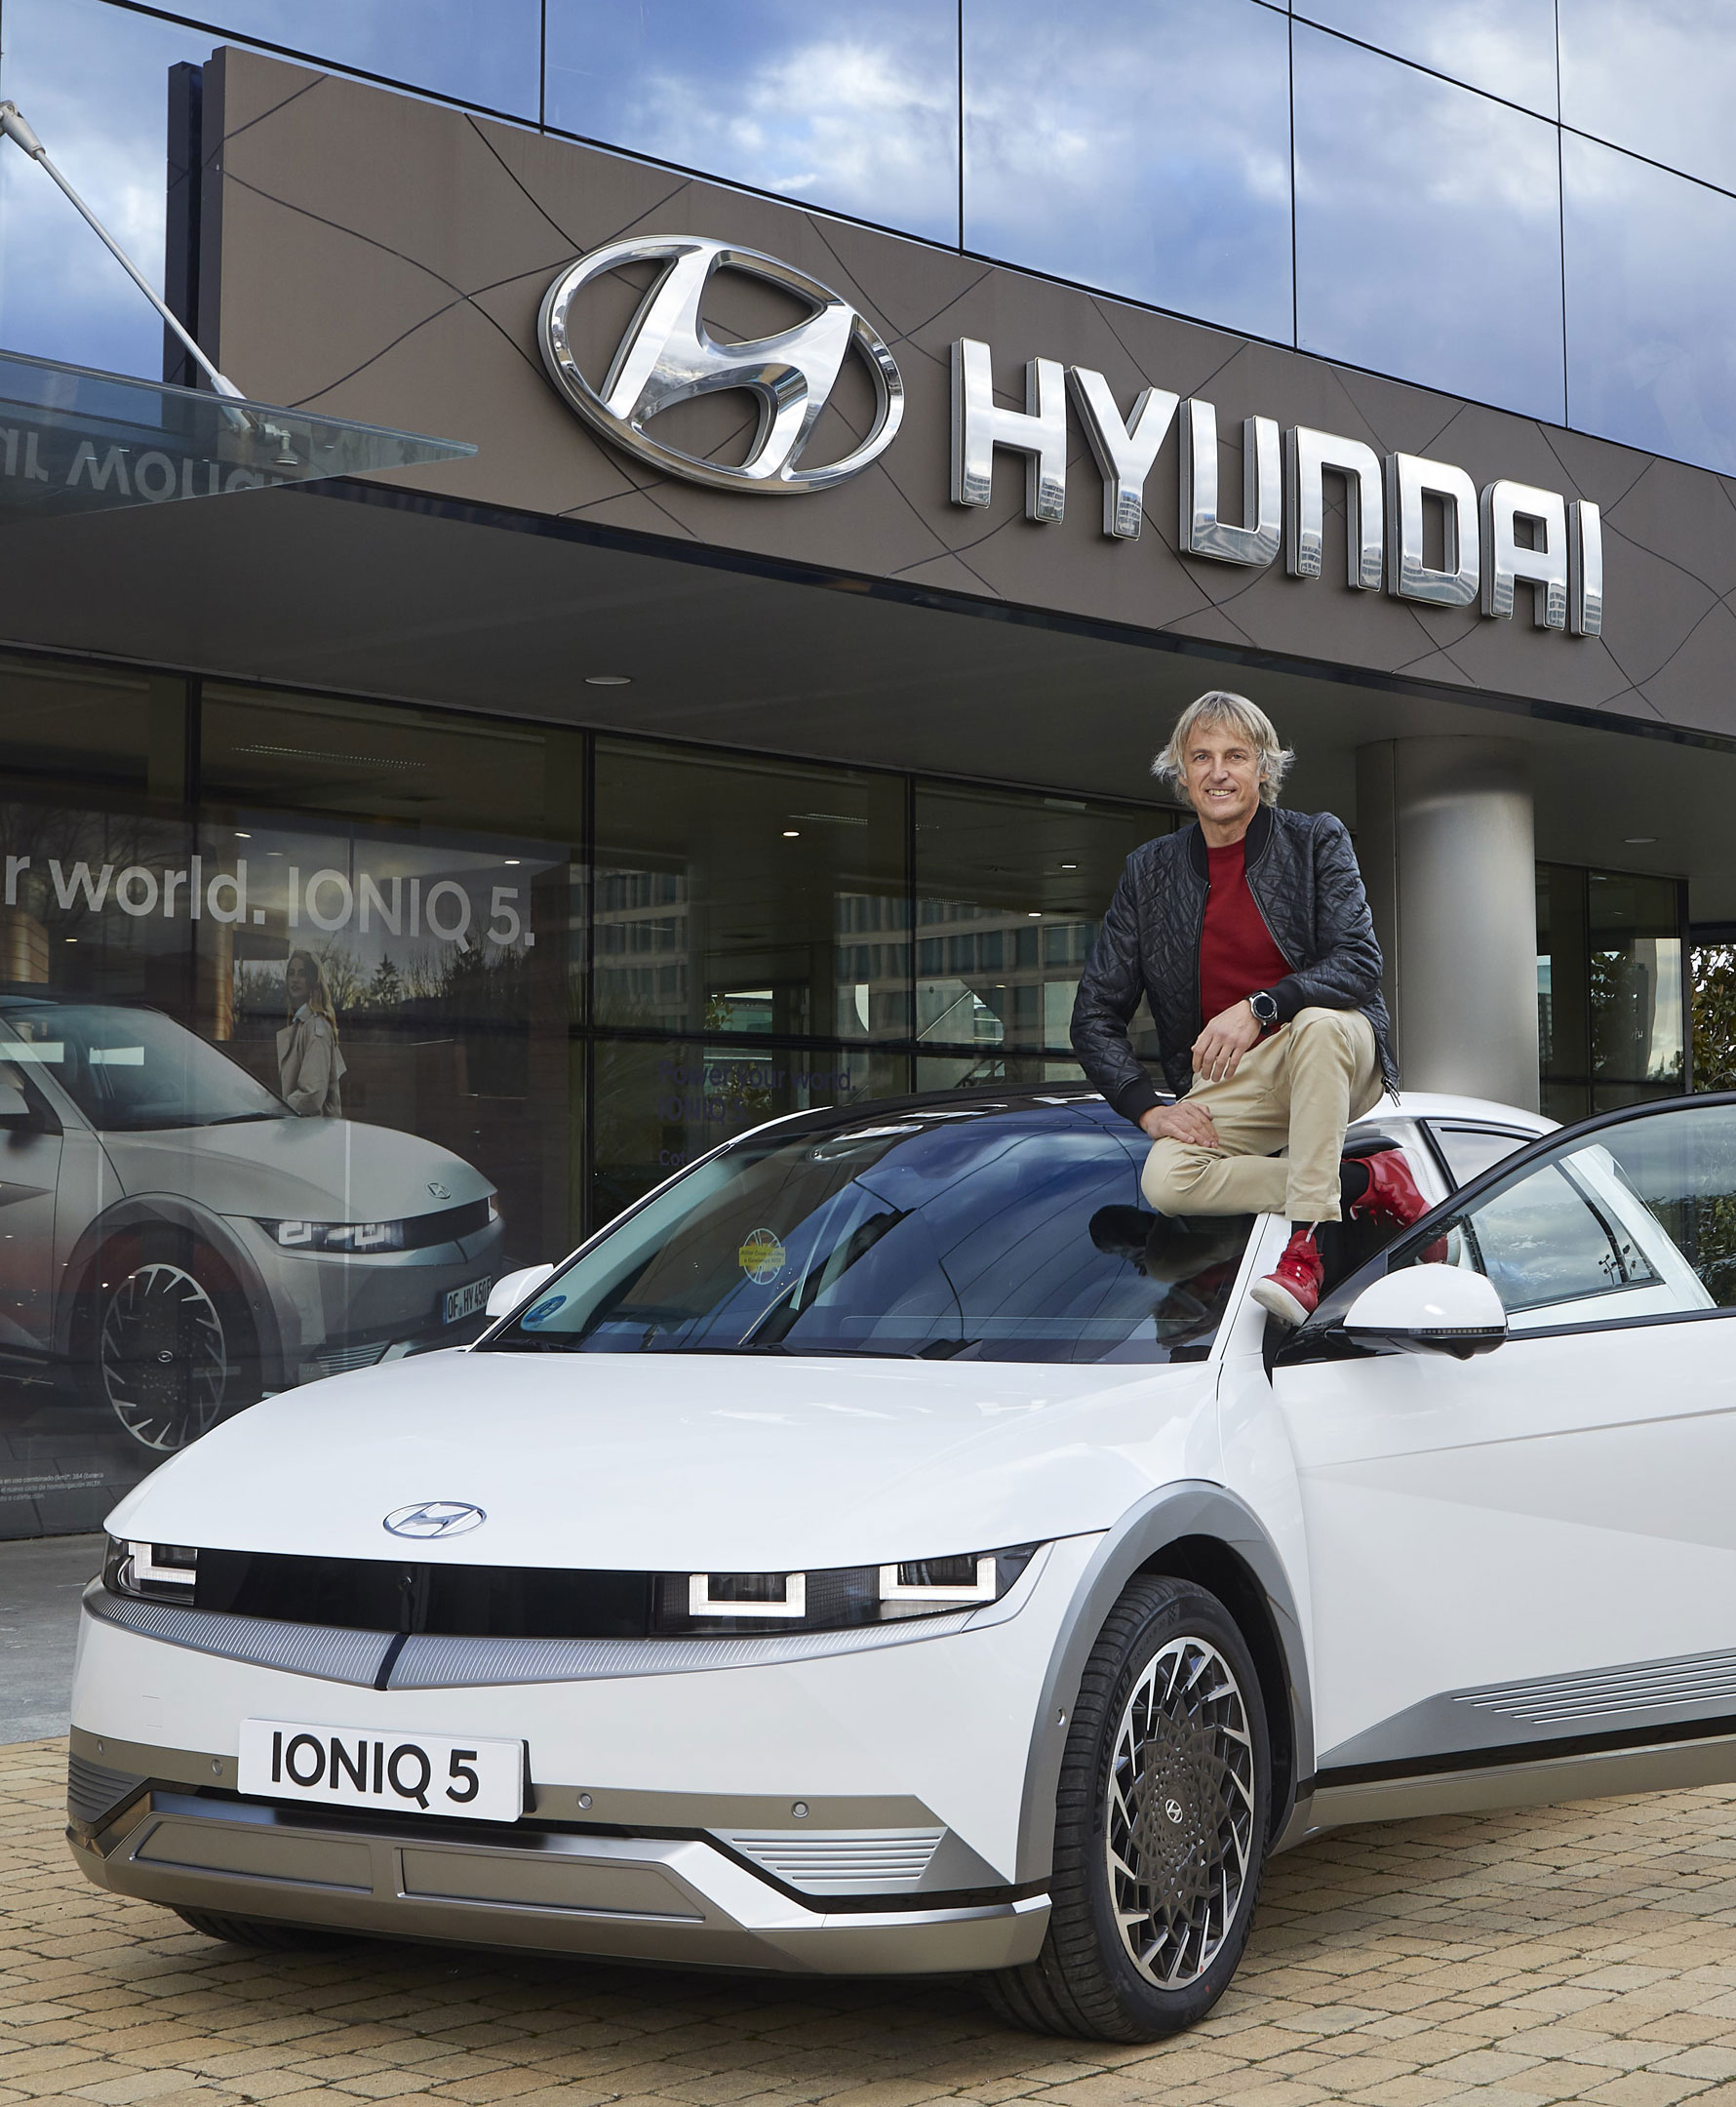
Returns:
point(1248, 933)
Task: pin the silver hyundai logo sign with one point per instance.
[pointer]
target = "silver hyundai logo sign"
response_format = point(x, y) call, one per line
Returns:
point(667, 357)
point(434, 1518)
point(440, 1191)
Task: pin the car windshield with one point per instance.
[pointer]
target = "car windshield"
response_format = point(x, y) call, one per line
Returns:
point(997, 1232)
point(129, 1069)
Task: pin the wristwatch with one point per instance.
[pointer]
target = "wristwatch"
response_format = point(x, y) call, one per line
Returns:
point(1264, 1006)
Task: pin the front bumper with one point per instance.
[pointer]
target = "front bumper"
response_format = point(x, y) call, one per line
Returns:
point(684, 1901)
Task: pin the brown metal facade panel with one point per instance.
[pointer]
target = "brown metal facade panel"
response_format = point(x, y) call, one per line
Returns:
point(384, 258)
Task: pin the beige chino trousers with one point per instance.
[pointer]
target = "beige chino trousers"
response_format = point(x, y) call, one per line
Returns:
point(1300, 1086)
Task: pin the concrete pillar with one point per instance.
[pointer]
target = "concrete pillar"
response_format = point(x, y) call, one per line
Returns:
point(1445, 837)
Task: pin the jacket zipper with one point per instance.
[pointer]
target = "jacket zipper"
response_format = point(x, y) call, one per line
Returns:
point(1261, 913)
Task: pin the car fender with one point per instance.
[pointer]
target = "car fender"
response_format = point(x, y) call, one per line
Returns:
point(173, 1210)
point(1185, 1513)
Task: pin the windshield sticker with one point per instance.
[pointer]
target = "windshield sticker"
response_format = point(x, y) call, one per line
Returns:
point(542, 1312)
point(761, 1258)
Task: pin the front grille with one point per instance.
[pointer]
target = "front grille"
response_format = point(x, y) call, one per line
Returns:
point(519, 1602)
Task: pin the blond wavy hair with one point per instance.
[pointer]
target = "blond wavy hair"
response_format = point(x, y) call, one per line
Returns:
point(1242, 717)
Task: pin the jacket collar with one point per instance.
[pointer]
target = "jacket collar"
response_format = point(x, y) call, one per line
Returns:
point(1257, 838)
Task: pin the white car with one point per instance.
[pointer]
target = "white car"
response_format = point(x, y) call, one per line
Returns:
point(890, 1548)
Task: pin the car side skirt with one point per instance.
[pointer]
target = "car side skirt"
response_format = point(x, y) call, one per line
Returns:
point(1533, 1774)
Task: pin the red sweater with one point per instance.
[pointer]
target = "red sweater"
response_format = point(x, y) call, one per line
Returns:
point(1237, 953)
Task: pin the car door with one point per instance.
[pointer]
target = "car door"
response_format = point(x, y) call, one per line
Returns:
point(1537, 1545)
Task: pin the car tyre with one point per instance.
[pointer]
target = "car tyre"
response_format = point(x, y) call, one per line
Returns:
point(260, 1932)
point(170, 1342)
point(1161, 1822)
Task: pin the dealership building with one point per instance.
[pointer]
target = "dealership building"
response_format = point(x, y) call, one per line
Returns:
point(750, 496)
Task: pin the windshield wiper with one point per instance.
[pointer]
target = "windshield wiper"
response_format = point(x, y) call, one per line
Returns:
point(240, 1119)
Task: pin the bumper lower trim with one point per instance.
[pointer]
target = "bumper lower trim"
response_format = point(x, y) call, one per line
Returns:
point(669, 1900)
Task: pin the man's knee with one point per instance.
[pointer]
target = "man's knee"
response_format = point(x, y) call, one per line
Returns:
point(1317, 1034)
point(1172, 1170)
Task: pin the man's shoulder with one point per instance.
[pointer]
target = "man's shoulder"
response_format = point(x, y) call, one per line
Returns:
point(1159, 849)
point(1309, 826)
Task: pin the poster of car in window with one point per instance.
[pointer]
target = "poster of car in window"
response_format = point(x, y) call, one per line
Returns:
point(276, 1102)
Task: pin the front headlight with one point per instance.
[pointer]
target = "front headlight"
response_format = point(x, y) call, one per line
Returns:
point(337, 1236)
point(835, 1597)
point(150, 1572)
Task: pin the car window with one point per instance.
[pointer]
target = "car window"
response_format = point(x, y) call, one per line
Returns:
point(1546, 1240)
point(1634, 1219)
point(1470, 1151)
point(131, 1069)
point(1016, 1235)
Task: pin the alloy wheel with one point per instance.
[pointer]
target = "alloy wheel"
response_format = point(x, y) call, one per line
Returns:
point(1179, 1828)
point(164, 1355)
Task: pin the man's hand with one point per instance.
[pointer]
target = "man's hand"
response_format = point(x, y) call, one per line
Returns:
point(1182, 1122)
point(1219, 1047)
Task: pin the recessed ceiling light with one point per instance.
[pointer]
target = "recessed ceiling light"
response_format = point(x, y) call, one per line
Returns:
point(608, 680)
point(240, 836)
point(790, 833)
point(1035, 914)
point(511, 860)
point(1070, 867)
point(1638, 841)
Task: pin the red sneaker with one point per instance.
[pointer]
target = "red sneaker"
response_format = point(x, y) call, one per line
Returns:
point(1395, 1201)
point(1291, 1290)
point(1393, 1198)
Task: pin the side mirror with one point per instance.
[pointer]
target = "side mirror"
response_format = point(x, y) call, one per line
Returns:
point(15, 1106)
point(511, 1289)
point(1429, 1308)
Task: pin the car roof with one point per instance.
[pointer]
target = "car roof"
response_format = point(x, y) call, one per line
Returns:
point(985, 1101)
point(1473, 1111)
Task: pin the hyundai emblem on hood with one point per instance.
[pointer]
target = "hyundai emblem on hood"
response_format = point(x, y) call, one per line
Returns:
point(434, 1518)
point(440, 1191)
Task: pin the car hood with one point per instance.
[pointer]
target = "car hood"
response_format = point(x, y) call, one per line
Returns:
point(671, 1462)
point(313, 1170)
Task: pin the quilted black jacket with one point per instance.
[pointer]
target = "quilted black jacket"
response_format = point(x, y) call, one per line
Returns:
point(1303, 875)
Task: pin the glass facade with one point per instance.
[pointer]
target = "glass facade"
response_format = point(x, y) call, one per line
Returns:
point(1400, 187)
point(1428, 228)
point(1611, 1015)
point(316, 1016)
point(1171, 186)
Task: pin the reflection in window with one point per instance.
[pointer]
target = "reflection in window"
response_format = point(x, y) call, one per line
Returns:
point(997, 1235)
point(1683, 1166)
point(662, 1105)
point(94, 81)
point(1010, 893)
point(488, 55)
point(743, 897)
point(1543, 1241)
point(1140, 146)
point(1651, 337)
point(1427, 229)
point(1657, 79)
point(1610, 1014)
point(854, 112)
point(1506, 48)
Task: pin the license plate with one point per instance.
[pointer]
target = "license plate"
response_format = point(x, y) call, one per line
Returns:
point(465, 1302)
point(361, 1767)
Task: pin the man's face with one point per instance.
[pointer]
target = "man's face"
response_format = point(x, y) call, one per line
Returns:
point(1222, 774)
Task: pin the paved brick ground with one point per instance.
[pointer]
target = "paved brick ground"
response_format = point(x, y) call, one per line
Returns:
point(1581, 1953)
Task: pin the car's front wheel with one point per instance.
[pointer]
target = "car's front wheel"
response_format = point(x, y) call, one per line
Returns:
point(169, 1338)
point(1161, 1823)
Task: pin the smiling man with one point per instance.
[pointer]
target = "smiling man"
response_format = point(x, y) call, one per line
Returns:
point(1250, 936)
